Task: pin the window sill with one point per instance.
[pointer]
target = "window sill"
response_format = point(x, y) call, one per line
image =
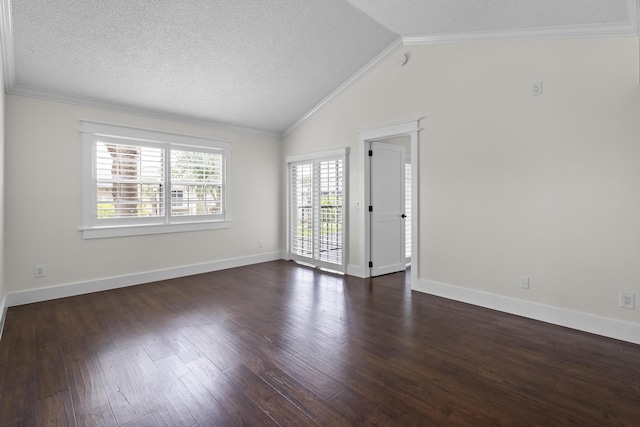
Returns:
point(141, 230)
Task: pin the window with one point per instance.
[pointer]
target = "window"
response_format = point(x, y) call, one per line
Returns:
point(316, 209)
point(139, 181)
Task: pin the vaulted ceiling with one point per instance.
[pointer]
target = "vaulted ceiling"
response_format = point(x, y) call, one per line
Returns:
point(259, 64)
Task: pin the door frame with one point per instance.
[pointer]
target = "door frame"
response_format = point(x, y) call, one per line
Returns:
point(406, 128)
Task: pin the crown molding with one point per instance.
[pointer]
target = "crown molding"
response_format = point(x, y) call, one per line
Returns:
point(352, 80)
point(128, 109)
point(628, 29)
point(11, 87)
point(522, 35)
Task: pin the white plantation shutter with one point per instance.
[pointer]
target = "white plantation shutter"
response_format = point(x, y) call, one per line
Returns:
point(196, 182)
point(301, 215)
point(329, 210)
point(129, 180)
point(316, 211)
point(158, 181)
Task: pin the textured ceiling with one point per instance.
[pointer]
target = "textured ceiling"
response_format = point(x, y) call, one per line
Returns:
point(260, 64)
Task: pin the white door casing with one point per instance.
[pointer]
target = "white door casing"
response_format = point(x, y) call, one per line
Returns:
point(409, 128)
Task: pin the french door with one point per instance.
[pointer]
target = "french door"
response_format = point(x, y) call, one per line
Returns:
point(316, 210)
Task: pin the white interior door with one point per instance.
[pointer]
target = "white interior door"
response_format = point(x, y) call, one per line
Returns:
point(387, 208)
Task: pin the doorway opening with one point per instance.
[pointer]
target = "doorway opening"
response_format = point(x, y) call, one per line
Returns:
point(406, 134)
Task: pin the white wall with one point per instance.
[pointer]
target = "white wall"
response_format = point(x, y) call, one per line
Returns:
point(511, 184)
point(44, 212)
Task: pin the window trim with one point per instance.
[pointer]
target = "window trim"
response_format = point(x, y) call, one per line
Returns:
point(91, 229)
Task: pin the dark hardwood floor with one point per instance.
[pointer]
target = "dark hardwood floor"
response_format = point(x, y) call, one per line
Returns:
point(280, 344)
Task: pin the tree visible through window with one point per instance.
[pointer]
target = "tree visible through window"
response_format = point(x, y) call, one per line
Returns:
point(129, 181)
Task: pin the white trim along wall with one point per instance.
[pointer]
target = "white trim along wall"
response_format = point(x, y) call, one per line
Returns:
point(590, 323)
point(3, 313)
point(611, 328)
point(80, 288)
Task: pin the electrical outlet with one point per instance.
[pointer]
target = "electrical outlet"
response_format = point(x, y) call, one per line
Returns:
point(536, 88)
point(260, 244)
point(39, 271)
point(627, 300)
point(524, 282)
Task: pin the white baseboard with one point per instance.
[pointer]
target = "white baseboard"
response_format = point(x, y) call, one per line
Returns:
point(72, 289)
point(3, 313)
point(598, 325)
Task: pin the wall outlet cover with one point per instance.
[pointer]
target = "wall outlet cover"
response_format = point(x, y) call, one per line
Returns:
point(536, 88)
point(39, 271)
point(627, 300)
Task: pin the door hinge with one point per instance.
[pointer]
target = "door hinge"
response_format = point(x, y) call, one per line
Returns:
point(370, 153)
point(370, 208)
point(370, 264)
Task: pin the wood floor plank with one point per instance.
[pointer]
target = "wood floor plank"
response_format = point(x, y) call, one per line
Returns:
point(299, 365)
point(311, 404)
point(46, 323)
point(101, 416)
point(86, 387)
point(124, 397)
point(240, 408)
point(283, 411)
point(156, 347)
point(158, 392)
point(395, 411)
point(19, 349)
point(51, 373)
point(18, 404)
point(172, 367)
point(55, 411)
point(212, 344)
point(146, 421)
point(180, 345)
point(353, 405)
point(281, 344)
point(203, 407)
